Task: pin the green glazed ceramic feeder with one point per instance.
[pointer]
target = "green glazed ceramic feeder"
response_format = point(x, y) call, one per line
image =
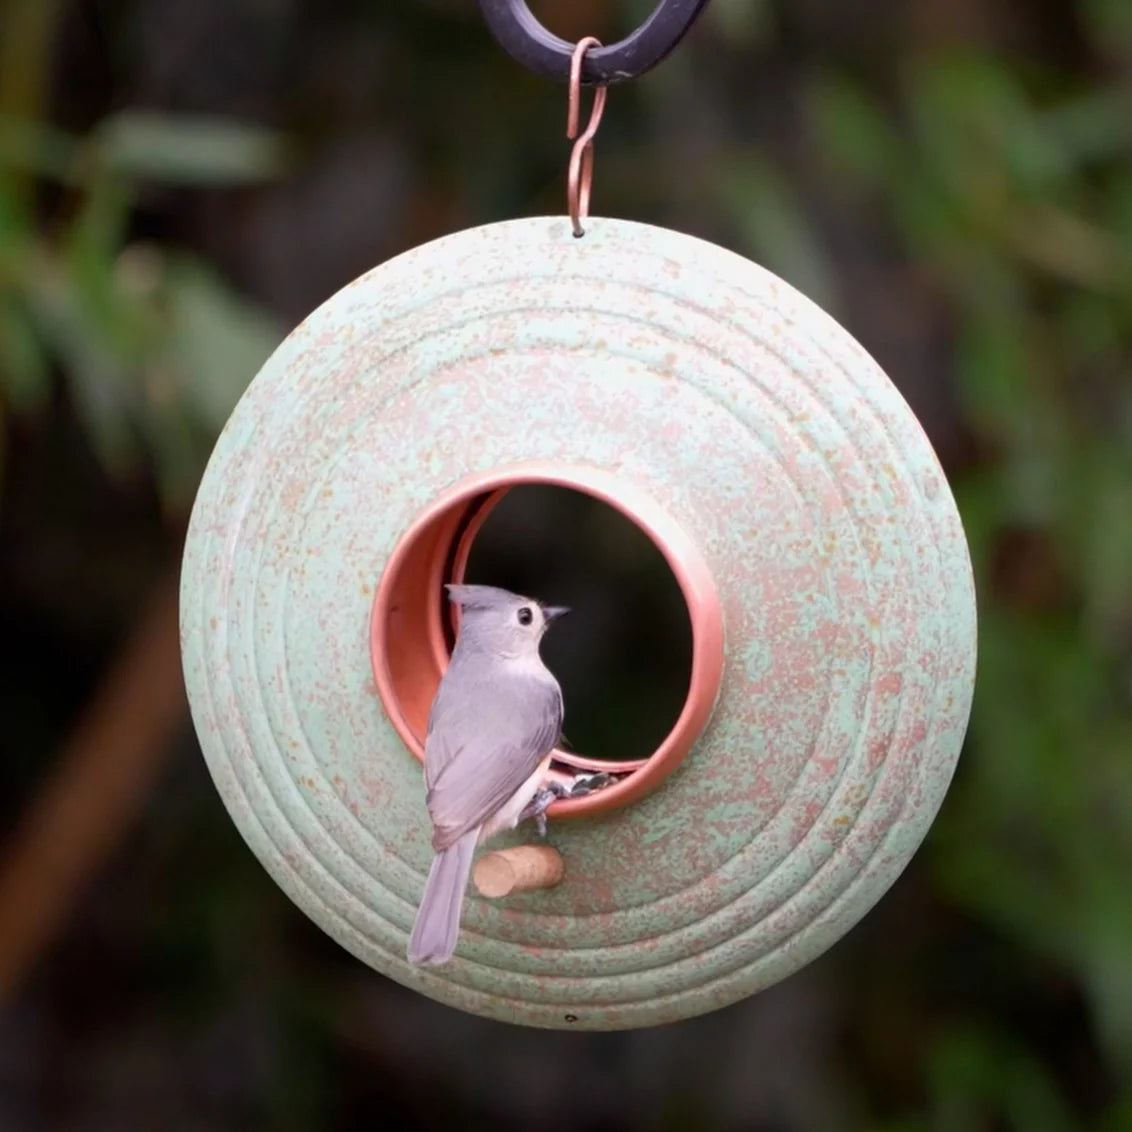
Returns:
point(799, 504)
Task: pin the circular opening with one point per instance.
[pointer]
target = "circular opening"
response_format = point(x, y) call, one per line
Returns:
point(624, 655)
point(639, 658)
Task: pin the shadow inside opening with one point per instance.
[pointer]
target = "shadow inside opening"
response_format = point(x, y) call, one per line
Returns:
point(624, 654)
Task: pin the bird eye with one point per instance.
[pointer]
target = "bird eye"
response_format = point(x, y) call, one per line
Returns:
point(525, 615)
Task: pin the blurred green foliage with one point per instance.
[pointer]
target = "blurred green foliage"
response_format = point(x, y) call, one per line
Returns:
point(1012, 189)
point(153, 347)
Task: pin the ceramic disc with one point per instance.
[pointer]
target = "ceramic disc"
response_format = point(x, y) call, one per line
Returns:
point(753, 420)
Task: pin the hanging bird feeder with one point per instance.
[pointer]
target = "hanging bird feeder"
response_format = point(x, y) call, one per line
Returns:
point(794, 497)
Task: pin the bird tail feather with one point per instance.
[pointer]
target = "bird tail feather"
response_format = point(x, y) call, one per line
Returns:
point(437, 925)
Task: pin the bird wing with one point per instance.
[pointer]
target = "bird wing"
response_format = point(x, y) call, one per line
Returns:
point(484, 744)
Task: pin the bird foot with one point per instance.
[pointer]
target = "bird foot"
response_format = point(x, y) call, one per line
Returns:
point(547, 795)
point(553, 789)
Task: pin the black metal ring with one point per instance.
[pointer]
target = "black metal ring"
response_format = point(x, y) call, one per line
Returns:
point(525, 39)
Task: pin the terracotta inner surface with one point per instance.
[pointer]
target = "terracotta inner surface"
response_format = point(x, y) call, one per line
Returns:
point(412, 625)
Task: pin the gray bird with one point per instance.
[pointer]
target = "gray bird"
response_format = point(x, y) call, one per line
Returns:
point(496, 718)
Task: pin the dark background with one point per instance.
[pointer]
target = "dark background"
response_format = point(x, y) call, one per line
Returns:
point(182, 180)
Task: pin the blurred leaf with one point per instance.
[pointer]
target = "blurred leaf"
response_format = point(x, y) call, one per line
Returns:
point(99, 388)
point(774, 225)
point(973, 112)
point(189, 150)
point(973, 1071)
point(1105, 553)
point(150, 146)
point(951, 103)
point(217, 340)
point(178, 449)
point(853, 131)
point(744, 24)
point(91, 246)
point(993, 368)
point(1109, 25)
point(16, 241)
point(1119, 1118)
point(1061, 243)
point(24, 370)
point(1091, 126)
point(1106, 958)
point(36, 148)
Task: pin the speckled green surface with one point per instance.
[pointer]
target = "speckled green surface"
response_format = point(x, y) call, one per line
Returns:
point(762, 428)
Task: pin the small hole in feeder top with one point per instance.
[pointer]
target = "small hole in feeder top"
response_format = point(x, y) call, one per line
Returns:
point(623, 656)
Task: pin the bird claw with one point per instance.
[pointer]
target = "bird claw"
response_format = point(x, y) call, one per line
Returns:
point(553, 789)
point(547, 795)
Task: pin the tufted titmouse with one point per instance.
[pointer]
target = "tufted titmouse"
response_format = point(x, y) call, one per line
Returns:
point(496, 718)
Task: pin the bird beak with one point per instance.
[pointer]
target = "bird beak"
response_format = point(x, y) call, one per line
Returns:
point(551, 613)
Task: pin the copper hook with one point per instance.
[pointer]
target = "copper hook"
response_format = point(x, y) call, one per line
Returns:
point(579, 179)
